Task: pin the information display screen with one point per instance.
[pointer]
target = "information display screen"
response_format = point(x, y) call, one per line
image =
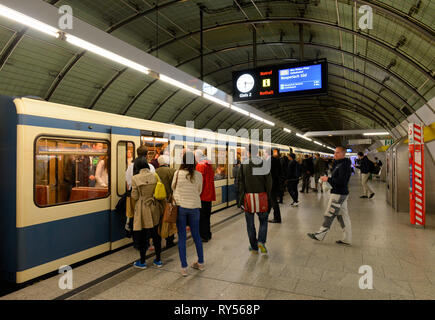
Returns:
point(302, 78)
point(281, 81)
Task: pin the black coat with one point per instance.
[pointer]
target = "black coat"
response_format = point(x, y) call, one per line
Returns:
point(339, 179)
point(307, 165)
point(275, 170)
point(365, 165)
point(293, 171)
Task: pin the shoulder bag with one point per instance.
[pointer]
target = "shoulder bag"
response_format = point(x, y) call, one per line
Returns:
point(171, 208)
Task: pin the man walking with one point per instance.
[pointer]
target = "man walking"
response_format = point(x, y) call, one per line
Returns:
point(365, 166)
point(337, 205)
point(293, 175)
point(275, 170)
point(252, 188)
point(307, 172)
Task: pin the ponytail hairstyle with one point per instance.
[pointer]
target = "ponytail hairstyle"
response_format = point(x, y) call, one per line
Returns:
point(189, 164)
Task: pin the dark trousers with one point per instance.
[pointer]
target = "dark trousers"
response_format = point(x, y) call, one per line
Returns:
point(305, 182)
point(204, 220)
point(252, 233)
point(275, 205)
point(141, 239)
point(292, 188)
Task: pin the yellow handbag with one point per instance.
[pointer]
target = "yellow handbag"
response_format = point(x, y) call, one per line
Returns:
point(159, 191)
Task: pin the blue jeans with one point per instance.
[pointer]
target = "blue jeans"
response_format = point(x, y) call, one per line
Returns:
point(252, 234)
point(192, 217)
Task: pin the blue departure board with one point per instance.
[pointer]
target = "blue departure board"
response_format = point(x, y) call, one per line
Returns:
point(301, 78)
point(290, 80)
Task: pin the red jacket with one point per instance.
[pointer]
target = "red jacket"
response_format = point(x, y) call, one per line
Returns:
point(208, 192)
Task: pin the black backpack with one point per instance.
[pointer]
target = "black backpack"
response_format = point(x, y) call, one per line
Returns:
point(372, 167)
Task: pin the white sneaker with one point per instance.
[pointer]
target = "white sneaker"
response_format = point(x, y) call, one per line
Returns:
point(295, 204)
point(183, 272)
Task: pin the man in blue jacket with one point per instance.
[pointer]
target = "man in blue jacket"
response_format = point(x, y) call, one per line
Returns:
point(337, 205)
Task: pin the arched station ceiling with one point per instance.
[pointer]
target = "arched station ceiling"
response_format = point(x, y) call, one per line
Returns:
point(377, 76)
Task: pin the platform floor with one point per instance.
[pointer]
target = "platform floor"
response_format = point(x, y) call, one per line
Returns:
point(402, 258)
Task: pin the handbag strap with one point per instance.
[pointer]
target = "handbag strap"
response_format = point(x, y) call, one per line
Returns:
point(157, 176)
point(176, 181)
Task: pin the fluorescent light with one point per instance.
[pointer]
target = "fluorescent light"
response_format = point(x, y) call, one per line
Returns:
point(217, 100)
point(105, 53)
point(303, 137)
point(28, 21)
point(179, 84)
point(246, 113)
point(287, 130)
point(256, 117)
point(270, 123)
point(161, 140)
point(147, 138)
point(376, 133)
point(317, 143)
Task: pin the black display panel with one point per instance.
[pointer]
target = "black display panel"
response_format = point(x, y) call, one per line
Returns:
point(281, 81)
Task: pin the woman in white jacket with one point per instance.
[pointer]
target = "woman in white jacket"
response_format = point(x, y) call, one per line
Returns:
point(187, 187)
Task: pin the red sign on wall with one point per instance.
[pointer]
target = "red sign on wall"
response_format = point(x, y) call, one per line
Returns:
point(416, 174)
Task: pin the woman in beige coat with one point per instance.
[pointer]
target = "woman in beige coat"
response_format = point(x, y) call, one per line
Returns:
point(147, 213)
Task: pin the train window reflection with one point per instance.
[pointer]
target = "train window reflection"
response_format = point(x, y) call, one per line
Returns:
point(125, 158)
point(220, 166)
point(70, 170)
point(156, 147)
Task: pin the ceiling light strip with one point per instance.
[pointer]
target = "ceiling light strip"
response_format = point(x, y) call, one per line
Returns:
point(105, 53)
point(376, 133)
point(246, 113)
point(28, 21)
point(216, 100)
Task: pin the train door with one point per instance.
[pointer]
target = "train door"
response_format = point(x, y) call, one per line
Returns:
point(232, 162)
point(123, 148)
point(221, 171)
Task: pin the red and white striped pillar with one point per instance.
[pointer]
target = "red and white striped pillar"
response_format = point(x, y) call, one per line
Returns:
point(416, 174)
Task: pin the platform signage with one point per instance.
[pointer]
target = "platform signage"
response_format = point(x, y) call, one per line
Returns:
point(281, 81)
point(416, 174)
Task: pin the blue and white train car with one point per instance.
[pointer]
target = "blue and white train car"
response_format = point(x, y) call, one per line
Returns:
point(64, 172)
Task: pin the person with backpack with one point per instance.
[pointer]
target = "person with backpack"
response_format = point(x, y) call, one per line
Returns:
point(147, 212)
point(367, 167)
point(166, 174)
point(293, 175)
point(255, 189)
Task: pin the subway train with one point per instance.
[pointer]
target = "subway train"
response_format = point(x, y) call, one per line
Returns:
point(64, 172)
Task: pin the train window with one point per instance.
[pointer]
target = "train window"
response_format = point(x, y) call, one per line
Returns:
point(125, 158)
point(220, 166)
point(156, 146)
point(176, 155)
point(232, 161)
point(70, 170)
